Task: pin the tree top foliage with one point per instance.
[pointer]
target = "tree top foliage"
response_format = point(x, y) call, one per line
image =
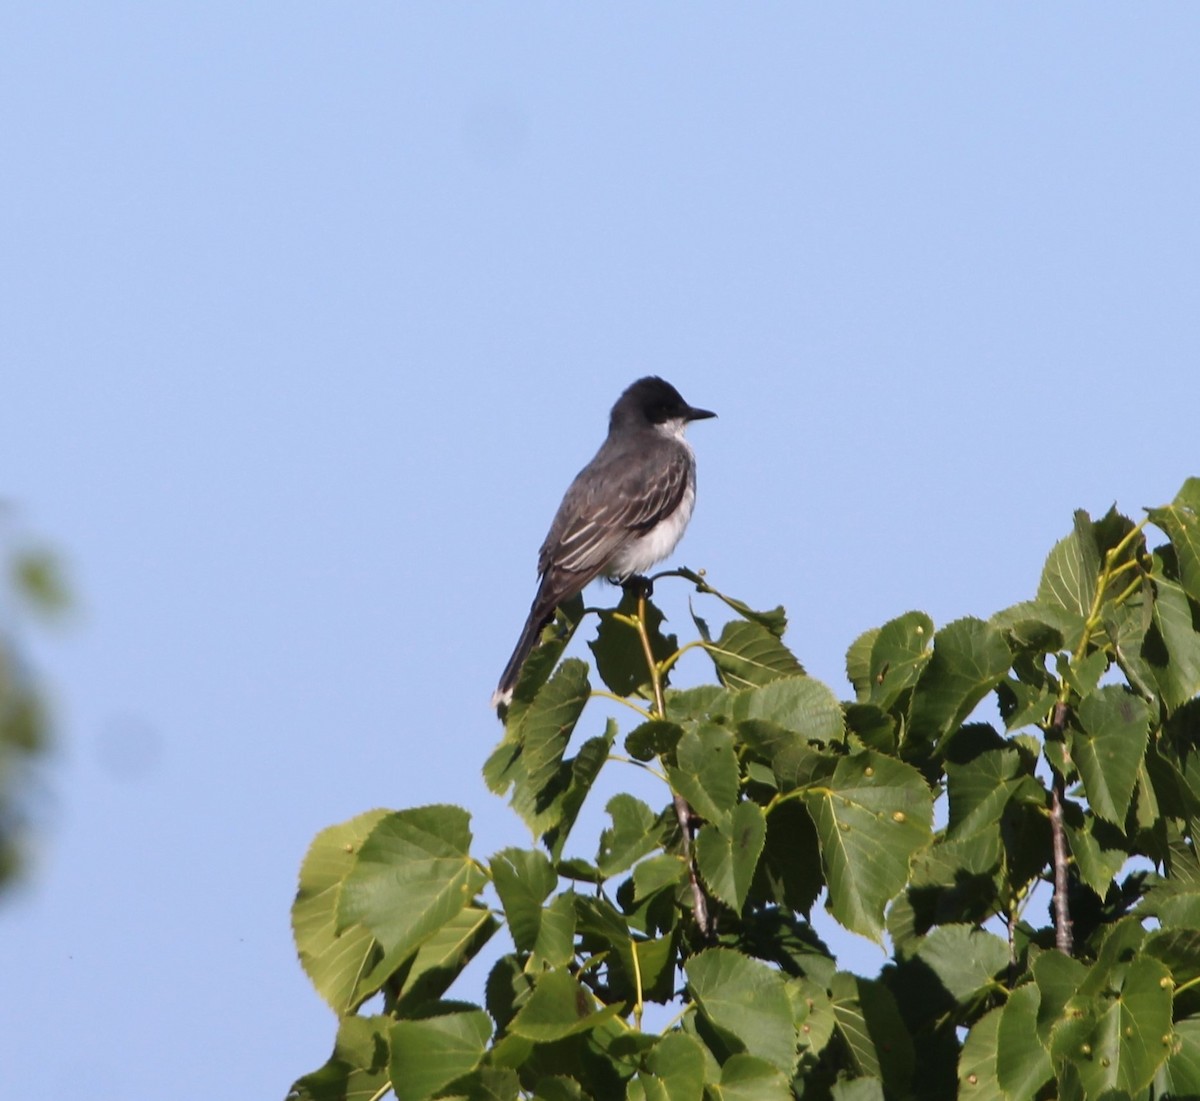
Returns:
point(778, 796)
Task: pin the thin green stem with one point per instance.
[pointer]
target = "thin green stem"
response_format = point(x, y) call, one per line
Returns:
point(637, 980)
point(669, 663)
point(382, 1092)
point(638, 764)
point(1107, 572)
point(651, 664)
point(600, 693)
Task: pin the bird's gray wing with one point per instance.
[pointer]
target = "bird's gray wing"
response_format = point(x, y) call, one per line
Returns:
point(610, 502)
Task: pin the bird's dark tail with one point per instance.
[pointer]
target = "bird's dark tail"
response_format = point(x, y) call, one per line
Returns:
point(540, 614)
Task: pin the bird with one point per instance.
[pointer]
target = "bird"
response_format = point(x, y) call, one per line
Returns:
point(625, 511)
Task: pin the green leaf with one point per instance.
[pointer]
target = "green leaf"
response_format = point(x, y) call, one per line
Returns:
point(1172, 646)
point(1022, 1063)
point(800, 704)
point(790, 865)
point(635, 833)
point(726, 858)
point(965, 959)
point(980, 789)
point(875, 813)
point(1098, 852)
point(1069, 576)
point(571, 788)
point(706, 772)
point(1109, 749)
point(523, 879)
point(745, 1078)
point(977, 1061)
point(558, 1007)
point(1180, 1076)
point(747, 654)
point(899, 653)
point(970, 657)
point(333, 957)
point(857, 1089)
point(428, 1054)
point(879, 1044)
point(38, 578)
point(652, 875)
point(1181, 522)
point(413, 876)
point(652, 739)
point(747, 1001)
point(617, 647)
point(774, 619)
point(1117, 1043)
point(555, 944)
point(529, 758)
point(858, 664)
point(677, 1065)
point(439, 960)
point(358, 1068)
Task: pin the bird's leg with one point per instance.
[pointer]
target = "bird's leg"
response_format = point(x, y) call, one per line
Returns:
point(639, 586)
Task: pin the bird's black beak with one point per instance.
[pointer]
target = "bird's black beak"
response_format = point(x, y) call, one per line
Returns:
point(698, 414)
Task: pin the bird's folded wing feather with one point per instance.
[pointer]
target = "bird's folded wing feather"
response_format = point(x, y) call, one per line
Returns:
point(591, 527)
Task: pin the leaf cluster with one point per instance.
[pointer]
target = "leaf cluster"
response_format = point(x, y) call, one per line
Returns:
point(778, 796)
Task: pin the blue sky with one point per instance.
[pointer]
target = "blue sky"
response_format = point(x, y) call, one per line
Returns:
point(309, 313)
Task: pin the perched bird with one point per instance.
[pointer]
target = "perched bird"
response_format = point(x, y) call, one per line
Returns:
point(624, 512)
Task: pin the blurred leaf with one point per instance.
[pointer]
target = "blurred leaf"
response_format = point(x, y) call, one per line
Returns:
point(746, 1000)
point(726, 858)
point(428, 1054)
point(875, 813)
point(38, 578)
point(1109, 749)
point(333, 957)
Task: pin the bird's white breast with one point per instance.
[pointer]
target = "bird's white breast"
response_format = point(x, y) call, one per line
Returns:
point(638, 556)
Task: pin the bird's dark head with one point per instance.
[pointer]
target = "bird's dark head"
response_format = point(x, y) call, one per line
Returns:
point(655, 402)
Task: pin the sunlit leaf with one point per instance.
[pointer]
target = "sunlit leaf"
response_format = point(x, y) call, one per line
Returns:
point(747, 1000)
point(873, 814)
point(429, 1054)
